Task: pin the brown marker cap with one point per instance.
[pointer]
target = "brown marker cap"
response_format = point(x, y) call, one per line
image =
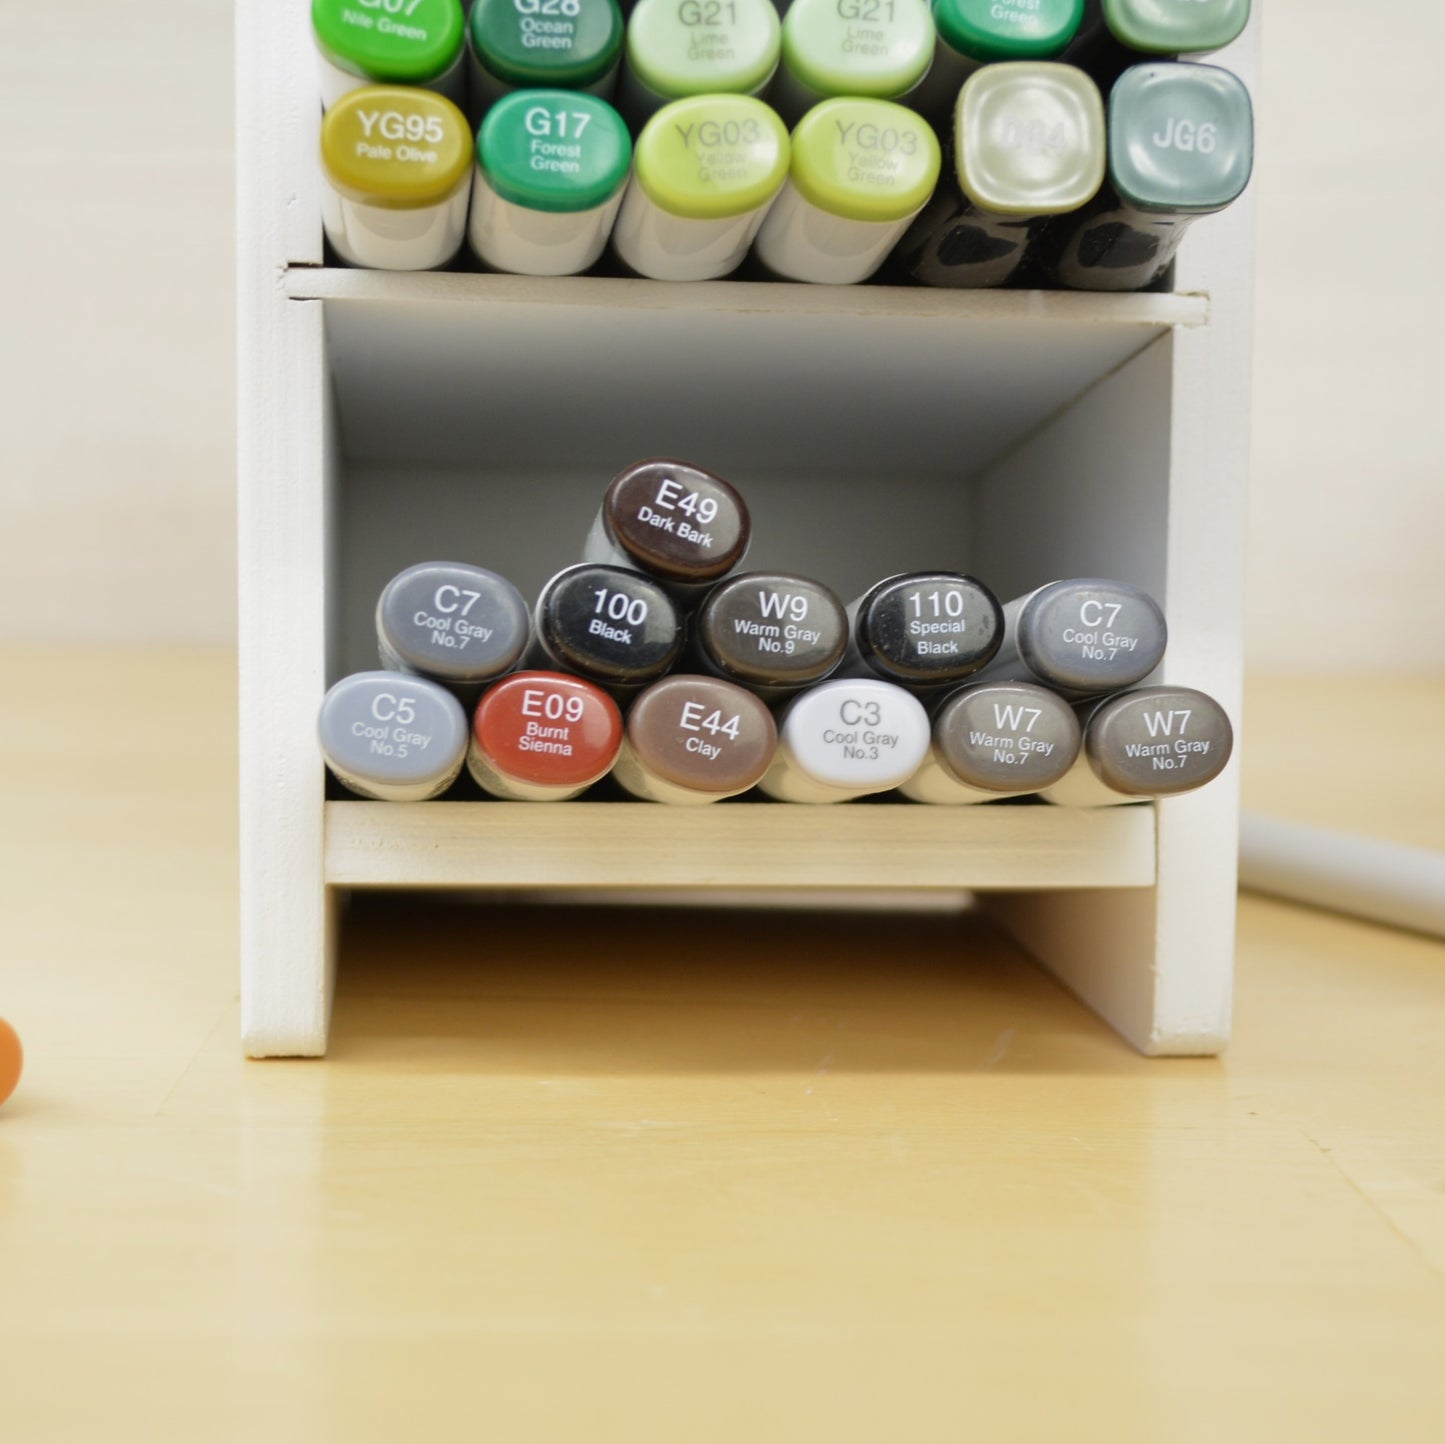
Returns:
point(702, 733)
point(678, 522)
point(1158, 741)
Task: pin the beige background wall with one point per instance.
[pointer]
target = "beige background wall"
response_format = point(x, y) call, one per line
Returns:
point(116, 370)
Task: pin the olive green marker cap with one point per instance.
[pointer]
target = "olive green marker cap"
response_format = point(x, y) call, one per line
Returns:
point(1175, 27)
point(554, 150)
point(396, 147)
point(675, 48)
point(822, 50)
point(990, 30)
point(580, 48)
point(712, 156)
point(402, 49)
point(865, 160)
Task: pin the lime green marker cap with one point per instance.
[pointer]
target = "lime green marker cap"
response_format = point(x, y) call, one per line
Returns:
point(563, 43)
point(712, 156)
point(865, 160)
point(395, 147)
point(554, 150)
point(697, 47)
point(989, 30)
point(877, 48)
point(1175, 27)
point(406, 45)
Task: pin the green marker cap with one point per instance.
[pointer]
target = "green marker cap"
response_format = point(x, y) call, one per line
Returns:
point(395, 147)
point(703, 47)
point(1181, 137)
point(865, 160)
point(554, 150)
point(990, 30)
point(712, 156)
point(523, 44)
point(1029, 138)
point(879, 48)
point(1175, 27)
point(416, 43)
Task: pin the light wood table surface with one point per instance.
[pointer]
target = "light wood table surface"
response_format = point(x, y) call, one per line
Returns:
point(595, 1176)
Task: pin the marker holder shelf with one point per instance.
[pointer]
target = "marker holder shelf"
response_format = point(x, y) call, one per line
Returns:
point(1020, 435)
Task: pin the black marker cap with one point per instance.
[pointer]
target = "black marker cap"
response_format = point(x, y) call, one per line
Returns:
point(609, 624)
point(925, 629)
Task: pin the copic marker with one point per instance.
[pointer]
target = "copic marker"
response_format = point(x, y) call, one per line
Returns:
point(1027, 144)
point(543, 737)
point(459, 625)
point(542, 45)
point(684, 526)
point(392, 737)
point(613, 626)
point(704, 172)
point(771, 632)
point(860, 171)
point(396, 168)
point(1080, 637)
point(994, 740)
point(694, 740)
point(1181, 145)
point(880, 49)
point(846, 739)
point(1116, 34)
point(1154, 742)
point(389, 42)
point(551, 166)
point(677, 48)
point(924, 630)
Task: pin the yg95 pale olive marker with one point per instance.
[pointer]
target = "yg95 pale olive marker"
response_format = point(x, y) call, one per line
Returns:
point(551, 166)
point(1028, 144)
point(682, 525)
point(389, 42)
point(705, 170)
point(1155, 742)
point(694, 740)
point(393, 737)
point(847, 739)
point(994, 740)
point(542, 45)
point(1080, 637)
point(459, 625)
point(860, 171)
point(397, 171)
point(677, 48)
point(1181, 145)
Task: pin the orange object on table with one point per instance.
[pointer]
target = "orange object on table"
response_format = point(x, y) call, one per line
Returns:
point(12, 1057)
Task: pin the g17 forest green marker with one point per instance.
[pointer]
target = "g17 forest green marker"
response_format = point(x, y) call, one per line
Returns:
point(389, 42)
point(536, 44)
point(875, 48)
point(1181, 145)
point(551, 167)
point(1028, 144)
point(861, 170)
point(677, 48)
point(705, 171)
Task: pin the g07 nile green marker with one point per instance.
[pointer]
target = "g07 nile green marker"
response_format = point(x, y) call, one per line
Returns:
point(389, 42)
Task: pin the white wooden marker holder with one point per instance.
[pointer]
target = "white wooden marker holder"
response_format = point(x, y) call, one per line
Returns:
point(1022, 436)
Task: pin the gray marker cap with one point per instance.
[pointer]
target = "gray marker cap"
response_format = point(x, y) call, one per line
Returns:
point(392, 736)
point(1157, 741)
point(457, 623)
point(1006, 737)
point(1086, 635)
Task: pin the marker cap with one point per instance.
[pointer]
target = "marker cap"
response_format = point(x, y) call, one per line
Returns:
point(678, 48)
point(1158, 741)
point(1204, 115)
point(1006, 737)
point(396, 148)
point(772, 630)
point(822, 52)
point(994, 30)
point(393, 737)
point(554, 150)
point(928, 628)
point(901, 148)
point(371, 43)
point(611, 624)
point(524, 47)
point(1088, 635)
point(453, 622)
point(1029, 138)
point(1175, 27)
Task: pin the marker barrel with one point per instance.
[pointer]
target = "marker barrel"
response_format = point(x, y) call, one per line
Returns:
point(694, 740)
point(994, 740)
point(847, 739)
point(367, 42)
point(705, 170)
point(550, 171)
point(396, 168)
point(1150, 743)
point(543, 737)
point(1081, 638)
point(860, 171)
point(392, 737)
